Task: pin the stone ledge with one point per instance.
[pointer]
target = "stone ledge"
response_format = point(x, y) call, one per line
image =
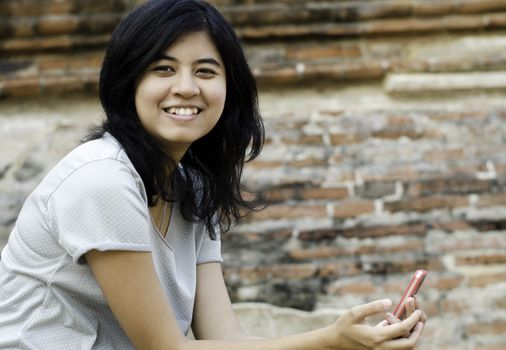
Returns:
point(60, 43)
point(35, 86)
point(271, 321)
point(445, 82)
point(279, 12)
point(375, 27)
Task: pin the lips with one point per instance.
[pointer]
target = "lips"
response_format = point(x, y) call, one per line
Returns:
point(182, 113)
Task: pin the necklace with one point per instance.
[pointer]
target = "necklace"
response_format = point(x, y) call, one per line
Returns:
point(163, 214)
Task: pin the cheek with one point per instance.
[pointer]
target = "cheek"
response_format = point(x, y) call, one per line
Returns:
point(218, 96)
point(147, 92)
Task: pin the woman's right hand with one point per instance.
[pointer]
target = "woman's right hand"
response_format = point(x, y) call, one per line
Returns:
point(351, 331)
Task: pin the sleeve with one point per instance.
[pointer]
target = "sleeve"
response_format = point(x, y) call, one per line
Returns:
point(100, 206)
point(210, 251)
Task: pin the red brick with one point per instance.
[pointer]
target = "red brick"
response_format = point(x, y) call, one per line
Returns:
point(398, 132)
point(350, 209)
point(406, 246)
point(501, 303)
point(482, 259)
point(470, 242)
point(308, 162)
point(490, 200)
point(486, 279)
point(278, 76)
point(397, 173)
point(451, 226)
point(456, 306)
point(317, 235)
point(324, 193)
point(449, 185)
point(340, 268)
point(22, 29)
point(345, 138)
point(445, 282)
point(501, 345)
point(316, 252)
point(255, 237)
point(264, 273)
point(439, 155)
point(34, 44)
point(60, 7)
point(496, 328)
point(319, 52)
point(459, 115)
point(21, 87)
point(400, 120)
point(336, 159)
point(303, 140)
point(57, 25)
point(424, 204)
point(387, 230)
point(265, 164)
point(87, 60)
point(278, 211)
point(396, 264)
point(280, 194)
point(61, 84)
point(352, 287)
point(364, 70)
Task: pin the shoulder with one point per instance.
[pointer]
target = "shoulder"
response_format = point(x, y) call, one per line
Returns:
point(99, 166)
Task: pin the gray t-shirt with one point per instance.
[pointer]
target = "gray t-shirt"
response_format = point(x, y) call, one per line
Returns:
point(92, 199)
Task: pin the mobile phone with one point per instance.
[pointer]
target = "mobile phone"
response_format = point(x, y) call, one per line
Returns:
point(413, 287)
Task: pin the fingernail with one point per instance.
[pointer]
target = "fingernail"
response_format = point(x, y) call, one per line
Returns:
point(386, 303)
point(419, 326)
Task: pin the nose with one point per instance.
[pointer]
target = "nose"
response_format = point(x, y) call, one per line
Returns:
point(185, 85)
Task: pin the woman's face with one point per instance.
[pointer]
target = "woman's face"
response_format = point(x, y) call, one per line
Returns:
point(181, 95)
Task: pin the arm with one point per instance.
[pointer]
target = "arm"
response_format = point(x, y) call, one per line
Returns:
point(131, 287)
point(213, 315)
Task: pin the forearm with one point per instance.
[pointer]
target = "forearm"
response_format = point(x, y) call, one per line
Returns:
point(314, 340)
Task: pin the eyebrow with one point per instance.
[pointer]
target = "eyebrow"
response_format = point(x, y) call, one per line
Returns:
point(209, 60)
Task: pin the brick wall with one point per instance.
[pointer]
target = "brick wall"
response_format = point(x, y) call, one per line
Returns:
point(385, 148)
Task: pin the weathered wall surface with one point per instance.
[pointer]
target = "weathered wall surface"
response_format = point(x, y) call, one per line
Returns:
point(385, 149)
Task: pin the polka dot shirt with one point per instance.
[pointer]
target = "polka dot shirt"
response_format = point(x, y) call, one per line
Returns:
point(92, 199)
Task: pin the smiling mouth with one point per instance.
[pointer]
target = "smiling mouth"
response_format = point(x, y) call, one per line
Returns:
point(182, 111)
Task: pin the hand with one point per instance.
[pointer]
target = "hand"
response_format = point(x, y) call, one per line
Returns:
point(412, 304)
point(351, 332)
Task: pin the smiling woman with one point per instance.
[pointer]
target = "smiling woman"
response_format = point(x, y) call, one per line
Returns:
point(181, 96)
point(119, 246)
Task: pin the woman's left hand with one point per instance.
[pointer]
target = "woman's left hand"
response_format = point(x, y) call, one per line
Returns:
point(412, 304)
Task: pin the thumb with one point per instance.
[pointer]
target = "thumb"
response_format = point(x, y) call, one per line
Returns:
point(359, 313)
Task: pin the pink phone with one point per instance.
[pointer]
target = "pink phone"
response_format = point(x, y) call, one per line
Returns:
point(413, 287)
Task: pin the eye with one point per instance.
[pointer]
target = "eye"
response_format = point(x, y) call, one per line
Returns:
point(164, 69)
point(206, 72)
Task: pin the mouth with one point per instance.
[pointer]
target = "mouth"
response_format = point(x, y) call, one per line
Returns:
point(182, 114)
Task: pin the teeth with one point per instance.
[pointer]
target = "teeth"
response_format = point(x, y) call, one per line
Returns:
point(183, 111)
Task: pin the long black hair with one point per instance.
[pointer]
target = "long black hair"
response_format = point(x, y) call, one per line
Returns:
point(207, 181)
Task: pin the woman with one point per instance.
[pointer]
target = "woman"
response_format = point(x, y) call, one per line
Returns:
point(118, 247)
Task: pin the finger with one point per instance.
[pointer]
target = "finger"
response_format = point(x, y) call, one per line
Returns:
point(410, 306)
point(391, 318)
point(382, 323)
point(419, 306)
point(403, 328)
point(406, 343)
point(359, 313)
